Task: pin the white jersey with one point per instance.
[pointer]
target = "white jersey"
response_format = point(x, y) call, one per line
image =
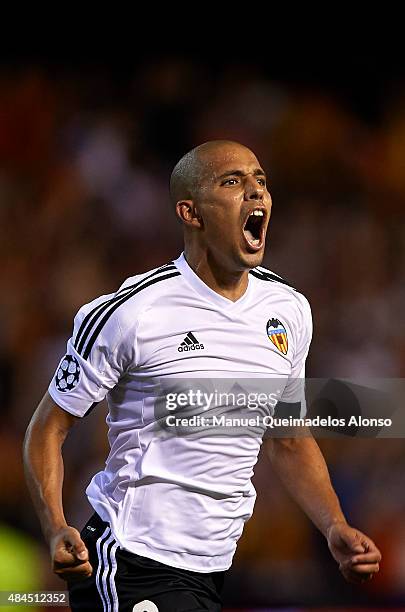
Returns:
point(179, 499)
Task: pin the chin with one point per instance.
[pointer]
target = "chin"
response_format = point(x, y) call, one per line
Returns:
point(251, 260)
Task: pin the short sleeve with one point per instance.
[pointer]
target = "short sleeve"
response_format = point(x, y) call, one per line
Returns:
point(294, 391)
point(97, 355)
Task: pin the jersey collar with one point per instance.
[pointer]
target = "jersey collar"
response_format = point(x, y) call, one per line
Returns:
point(195, 281)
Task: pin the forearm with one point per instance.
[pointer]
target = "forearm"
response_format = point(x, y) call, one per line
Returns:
point(44, 471)
point(302, 469)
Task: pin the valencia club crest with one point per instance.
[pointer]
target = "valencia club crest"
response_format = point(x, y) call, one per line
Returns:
point(277, 333)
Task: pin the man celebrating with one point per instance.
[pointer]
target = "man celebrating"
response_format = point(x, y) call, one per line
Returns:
point(169, 509)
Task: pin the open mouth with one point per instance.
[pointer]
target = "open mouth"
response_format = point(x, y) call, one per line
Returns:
point(253, 228)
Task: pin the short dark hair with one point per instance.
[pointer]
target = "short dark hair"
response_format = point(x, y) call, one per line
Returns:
point(184, 178)
point(186, 175)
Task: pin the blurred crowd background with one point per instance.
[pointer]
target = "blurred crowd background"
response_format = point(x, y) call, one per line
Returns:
point(85, 158)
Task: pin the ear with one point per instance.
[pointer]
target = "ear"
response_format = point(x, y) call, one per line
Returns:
point(188, 214)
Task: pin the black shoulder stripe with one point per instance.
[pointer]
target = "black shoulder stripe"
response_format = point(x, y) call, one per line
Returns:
point(267, 276)
point(118, 303)
point(169, 266)
point(264, 271)
point(96, 312)
point(85, 321)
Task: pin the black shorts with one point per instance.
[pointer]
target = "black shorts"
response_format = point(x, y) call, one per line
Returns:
point(126, 582)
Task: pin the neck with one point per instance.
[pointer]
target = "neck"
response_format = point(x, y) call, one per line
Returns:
point(229, 284)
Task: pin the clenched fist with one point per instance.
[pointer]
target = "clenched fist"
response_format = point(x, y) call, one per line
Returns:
point(70, 557)
point(357, 555)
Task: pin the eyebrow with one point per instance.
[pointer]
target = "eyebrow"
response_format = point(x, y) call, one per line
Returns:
point(256, 172)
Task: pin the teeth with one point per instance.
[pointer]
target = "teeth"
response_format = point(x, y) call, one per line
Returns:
point(251, 238)
point(256, 213)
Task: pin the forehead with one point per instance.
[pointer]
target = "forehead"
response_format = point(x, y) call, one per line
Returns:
point(227, 158)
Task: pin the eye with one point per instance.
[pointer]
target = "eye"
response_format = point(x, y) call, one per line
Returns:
point(262, 181)
point(230, 181)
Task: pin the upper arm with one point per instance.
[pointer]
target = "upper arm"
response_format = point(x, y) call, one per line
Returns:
point(49, 417)
point(303, 337)
point(294, 391)
point(291, 439)
point(100, 349)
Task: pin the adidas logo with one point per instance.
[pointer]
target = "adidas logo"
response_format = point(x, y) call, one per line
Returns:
point(190, 343)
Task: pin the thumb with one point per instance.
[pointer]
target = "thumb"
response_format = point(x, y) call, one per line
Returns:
point(353, 541)
point(82, 555)
point(77, 546)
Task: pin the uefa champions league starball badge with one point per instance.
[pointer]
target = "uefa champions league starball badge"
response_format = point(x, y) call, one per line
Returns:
point(68, 374)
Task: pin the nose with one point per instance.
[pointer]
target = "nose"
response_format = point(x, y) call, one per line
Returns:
point(253, 189)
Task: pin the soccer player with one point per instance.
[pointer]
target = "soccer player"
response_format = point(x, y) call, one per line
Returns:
point(169, 509)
